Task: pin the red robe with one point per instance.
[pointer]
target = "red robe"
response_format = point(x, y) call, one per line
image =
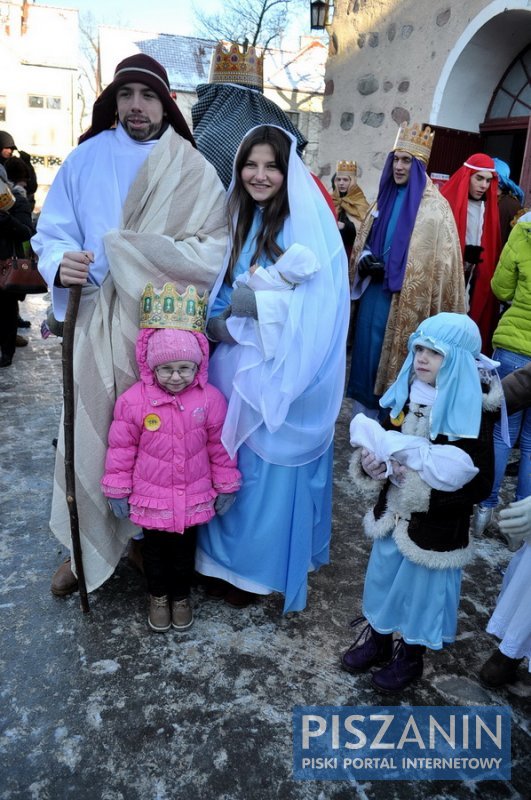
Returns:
point(483, 305)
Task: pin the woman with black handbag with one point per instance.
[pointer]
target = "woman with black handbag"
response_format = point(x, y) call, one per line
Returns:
point(16, 227)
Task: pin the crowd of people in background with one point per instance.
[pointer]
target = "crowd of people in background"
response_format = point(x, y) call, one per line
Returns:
point(16, 230)
point(211, 429)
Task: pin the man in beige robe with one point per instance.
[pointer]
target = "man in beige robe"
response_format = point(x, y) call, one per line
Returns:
point(426, 276)
point(134, 202)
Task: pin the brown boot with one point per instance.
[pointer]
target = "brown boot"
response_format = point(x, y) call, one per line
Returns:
point(498, 670)
point(215, 588)
point(64, 582)
point(159, 617)
point(182, 616)
point(239, 598)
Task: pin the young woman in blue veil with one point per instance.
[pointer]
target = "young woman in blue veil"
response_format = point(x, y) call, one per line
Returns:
point(282, 407)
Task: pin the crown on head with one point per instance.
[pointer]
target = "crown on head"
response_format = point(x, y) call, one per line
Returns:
point(230, 64)
point(347, 166)
point(415, 140)
point(167, 308)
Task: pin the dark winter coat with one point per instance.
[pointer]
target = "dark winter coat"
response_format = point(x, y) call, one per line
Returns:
point(16, 227)
point(517, 389)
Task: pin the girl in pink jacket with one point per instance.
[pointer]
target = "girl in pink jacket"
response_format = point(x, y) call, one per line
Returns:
point(166, 468)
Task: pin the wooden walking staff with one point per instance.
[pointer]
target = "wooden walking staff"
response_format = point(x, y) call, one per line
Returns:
point(69, 327)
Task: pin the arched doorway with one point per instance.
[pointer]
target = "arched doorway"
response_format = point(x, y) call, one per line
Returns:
point(507, 124)
point(478, 84)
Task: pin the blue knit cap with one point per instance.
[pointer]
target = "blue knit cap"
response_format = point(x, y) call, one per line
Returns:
point(456, 411)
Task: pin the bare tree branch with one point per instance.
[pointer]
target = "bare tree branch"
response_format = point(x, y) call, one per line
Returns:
point(256, 22)
point(90, 50)
point(89, 72)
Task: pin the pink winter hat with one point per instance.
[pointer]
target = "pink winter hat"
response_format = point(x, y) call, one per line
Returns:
point(168, 344)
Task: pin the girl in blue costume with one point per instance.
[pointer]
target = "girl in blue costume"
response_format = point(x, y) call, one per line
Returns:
point(279, 527)
point(421, 534)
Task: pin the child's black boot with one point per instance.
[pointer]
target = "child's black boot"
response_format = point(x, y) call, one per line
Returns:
point(376, 648)
point(405, 668)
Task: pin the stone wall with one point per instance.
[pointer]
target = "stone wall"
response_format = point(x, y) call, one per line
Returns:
point(384, 63)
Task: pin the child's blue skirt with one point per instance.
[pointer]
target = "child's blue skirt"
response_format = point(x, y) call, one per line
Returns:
point(417, 602)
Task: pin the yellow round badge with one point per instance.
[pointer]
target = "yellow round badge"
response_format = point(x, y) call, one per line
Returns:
point(152, 422)
point(397, 421)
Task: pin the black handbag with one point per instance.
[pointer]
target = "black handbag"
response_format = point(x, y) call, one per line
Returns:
point(20, 275)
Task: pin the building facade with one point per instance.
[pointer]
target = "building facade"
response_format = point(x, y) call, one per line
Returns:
point(464, 68)
point(39, 83)
point(44, 88)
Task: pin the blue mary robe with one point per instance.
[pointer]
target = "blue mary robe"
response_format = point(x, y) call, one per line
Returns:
point(280, 524)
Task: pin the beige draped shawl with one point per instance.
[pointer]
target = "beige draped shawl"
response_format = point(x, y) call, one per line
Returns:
point(173, 229)
point(433, 279)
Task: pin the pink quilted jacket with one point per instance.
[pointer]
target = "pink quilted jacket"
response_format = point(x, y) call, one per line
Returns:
point(165, 452)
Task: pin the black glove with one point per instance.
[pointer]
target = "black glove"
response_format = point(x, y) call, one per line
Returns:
point(243, 303)
point(472, 254)
point(371, 267)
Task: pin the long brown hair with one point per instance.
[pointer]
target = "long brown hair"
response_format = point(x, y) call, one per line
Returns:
point(241, 206)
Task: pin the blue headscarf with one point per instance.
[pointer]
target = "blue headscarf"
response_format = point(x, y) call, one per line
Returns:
point(395, 264)
point(506, 184)
point(456, 410)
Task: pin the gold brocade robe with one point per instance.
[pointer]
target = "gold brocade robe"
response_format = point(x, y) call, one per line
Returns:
point(433, 279)
point(354, 204)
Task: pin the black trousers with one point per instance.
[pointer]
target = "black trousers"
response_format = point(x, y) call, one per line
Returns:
point(169, 562)
point(8, 322)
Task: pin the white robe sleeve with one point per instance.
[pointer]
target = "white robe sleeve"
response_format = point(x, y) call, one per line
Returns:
point(58, 231)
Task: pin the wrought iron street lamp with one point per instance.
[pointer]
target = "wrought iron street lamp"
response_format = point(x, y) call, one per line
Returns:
point(318, 15)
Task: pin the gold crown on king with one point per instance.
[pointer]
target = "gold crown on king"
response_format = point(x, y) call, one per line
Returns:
point(415, 140)
point(230, 64)
point(347, 166)
point(167, 308)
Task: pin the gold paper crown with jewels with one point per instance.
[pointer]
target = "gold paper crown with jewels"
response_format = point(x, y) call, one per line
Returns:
point(230, 64)
point(415, 140)
point(347, 166)
point(167, 308)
